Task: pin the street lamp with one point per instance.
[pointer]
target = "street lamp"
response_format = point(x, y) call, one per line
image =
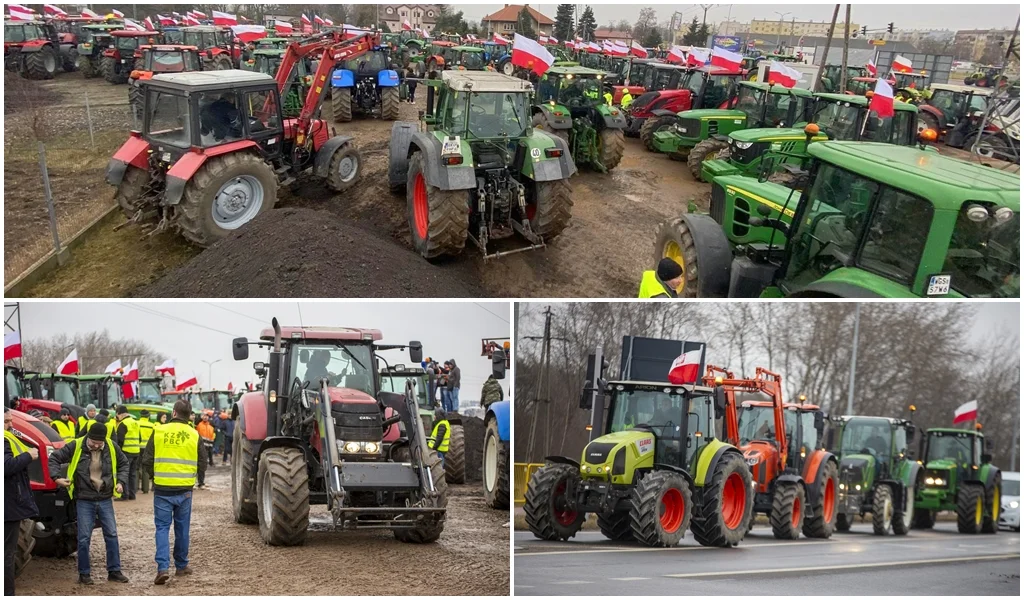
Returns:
point(210, 364)
point(782, 15)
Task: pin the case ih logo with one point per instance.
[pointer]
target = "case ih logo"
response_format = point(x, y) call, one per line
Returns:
point(645, 445)
point(366, 418)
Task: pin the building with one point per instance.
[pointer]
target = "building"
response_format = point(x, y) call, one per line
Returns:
point(732, 28)
point(420, 16)
point(602, 33)
point(505, 20)
point(796, 28)
point(981, 45)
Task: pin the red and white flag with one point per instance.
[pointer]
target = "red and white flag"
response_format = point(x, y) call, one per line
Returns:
point(117, 13)
point(56, 11)
point(90, 14)
point(967, 412)
point(882, 100)
point(131, 25)
point(328, 22)
point(132, 372)
point(637, 50)
point(70, 364)
point(872, 69)
point(696, 58)
point(720, 57)
point(249, 33)
point(530, 55)
point(191, 20)
point(12, 346)
point(569, 44)
point(676, 55)
point(619, 49)
point(128, 389)
point(500, 40)
point(685, 368)
point(902, 64)
point(283, 27)
point(231, 387)
point(21, 13)
point(198, 14)
point(148, 22)
point(166, 367)
point(406, 25)
point(169, 21)
point(318, 19)
point(542, 38)
point(224, 19)
point(184, 385)
point(780, 74)
point(305, 20)
point(113, 367)
point(593, 47)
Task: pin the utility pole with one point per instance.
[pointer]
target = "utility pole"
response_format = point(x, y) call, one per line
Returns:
point(792, 26)
point(853, 356)
point(846, 51)
point(210, 364)
point(8, 328)
point(704, 23)
point(543, 385)
point(778, 37)
point(1016, 436)
point(828, 46)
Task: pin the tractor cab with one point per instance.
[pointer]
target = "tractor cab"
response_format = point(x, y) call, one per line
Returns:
point(127, 43)
point(216, 45)
point(577, 88)
point(907, 87)
point(71, 29)
point(849, 118)
point(592, 60)
point(213, 402)
point(57, 388)
point(34, 49)
point(30, 397)
point(149, 390)
point(711, 87)
point(872, 450)
point(672, 89)
point(276, 43)
point(394, 378)
point(832, 75)
point(959, 476)
point(951, 456)
point(102, 390)
point(173, 35)
point(167, 58)
point(951, 105)
point(92, 41)
point(467, 58)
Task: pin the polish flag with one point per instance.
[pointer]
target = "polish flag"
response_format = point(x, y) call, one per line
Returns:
point(113, 367)
point(902, 64)
point(542, 38)
point(318, 19)
point(166, 367)
point(148, 22)
point(198, 14)
point(967, 412)
point(305, 20)
point(89, 14)
point(117, 13)
point(593, 47)
point(128, 390)
point(872, 69)
point(70, 364)
point(225, 19)
point(328, 22)
point(676, 55)
point(570, 44)
point(530, 55)
point(12, 346)
point(720, 57)
point(637, 50)
point(56, 11)
point(283, 27)
point(184, 385)
point(20, 13)
point(779, 74)
point(552, 40)
point(191, 20)
point(131, 25)
point(249, 33)
point(132, 373)
point(500, 40)
point(882, 100)
point(231, 387)
point(619, 49)
point(685, 367)
point(696, 58)
point(165, 20)
point(406, 25)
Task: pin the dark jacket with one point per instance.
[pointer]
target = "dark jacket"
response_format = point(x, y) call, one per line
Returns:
point(225, 426)
point(84, 490)
point(147, 464)
point(18, 500)
point(455, 377)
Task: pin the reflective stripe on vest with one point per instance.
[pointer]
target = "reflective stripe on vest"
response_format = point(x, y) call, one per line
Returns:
point(145, 431)
point(17, 446)
point(132, 441)
point(652, 287)
point(443, 446)
point(74, 465)
point(66, 430)
point(175, 455)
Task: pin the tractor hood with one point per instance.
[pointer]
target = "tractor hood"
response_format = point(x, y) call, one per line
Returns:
point(711, 113)
point(856, 469)
point(349, 396)
point(773, 134)
point(609, 455)
point(757, 452)
point(943, 464)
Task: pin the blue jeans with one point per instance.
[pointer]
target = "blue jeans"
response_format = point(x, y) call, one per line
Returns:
point(454, 399)
point(89, 511)
point(441, 454)
point(165, 509)
point(446, 400)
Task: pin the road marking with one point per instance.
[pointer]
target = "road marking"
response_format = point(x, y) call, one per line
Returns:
point(523, 586)
point(571, 582)
point(844, 567)
point(629, 578)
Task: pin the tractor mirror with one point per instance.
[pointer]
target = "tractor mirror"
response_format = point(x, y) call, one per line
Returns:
point(415, 351)
point(719, 402)
point(767, 168)
point(240, 348)
point(986, 457)
point(819, 421)
point(260, 368)
point(586, 397)
point(498, 363)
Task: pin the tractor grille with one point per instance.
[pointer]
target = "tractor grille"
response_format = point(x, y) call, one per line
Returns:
point(718, 203)
point(740, 216)
point(712, 128)
point(747, 156)
point(357, 422)
point(597, 453)
point(688, 127)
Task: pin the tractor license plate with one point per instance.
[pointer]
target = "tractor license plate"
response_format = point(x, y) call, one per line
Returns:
point(451, 146)
point(938, 285)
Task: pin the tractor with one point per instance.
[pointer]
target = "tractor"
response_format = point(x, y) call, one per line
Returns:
point(163, 58)
point(214, 147)
point(832, 75)
point(125, 56)
point(653, 466)
point(659, 88)
point(367, 84)
point(634, 77)
point(704, 88)
point(949, 107)
point(273, 43)
point(267, 60)
point(94, 39)
point(908, 87)
point(986, 76)
point(32, 48)
point(475, 168)
point(322, 432)
point(466, 58)
point(794, 481)
point(434, 58)
point(570, 105)
point(28, 393)
point(497, 437)
point(872, 219)
point(214, 402)
point(878, 473)
point(148, 396)
point(958, 476)
point(216, 46)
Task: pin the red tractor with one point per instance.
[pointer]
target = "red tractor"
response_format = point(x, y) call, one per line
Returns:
point(706, 87)
point(633, 76)
point(216, 46)
point(124, 55)
point(214, 147)
point(32, 48)
point(653, 78)
point(163, 58)
point(39, 396)
point(70, 34)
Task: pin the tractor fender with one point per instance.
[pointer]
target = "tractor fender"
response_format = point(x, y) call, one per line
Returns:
point(928, 108)
point(500, 411)
point(615, 118)
point(552, 121)
point(791, 478)
point(709, 459)
point(662, 112)
point(342, 78)
point(555, 169)
point(898, 489)
point(686, 474)
point(714, 255)
point(398, 151)
point(812, 474)
point(561, 460)
point(133, 152)
point(280, 441)
point(252, 415)
point(322, 162)
point(441, 177)
point(387, 78)
point(911, 473)
point(835, 289)
point(988, 475)
point(182, 171)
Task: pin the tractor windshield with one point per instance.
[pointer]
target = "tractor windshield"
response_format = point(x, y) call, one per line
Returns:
point(944, 445)
point(173, 36)
point(61, 390)
point(368, 64)
point(22, 33)
point(12, 385)
point(149, 392)
point(127, 43)
point(749, 103)
point(167, 61)
point(838, 120)
point(395, 383)
point(866, 436)
point(572, 91)
point(473, 61)
point(984, 255)
point(346, 366)
point(92, 391)
point(758, 423)
point(489, 114)
point(168, 120)
point(898, 129)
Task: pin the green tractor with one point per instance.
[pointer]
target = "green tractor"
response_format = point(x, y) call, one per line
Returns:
point(148, 397)
point(959, 476)
point(464, 58)
point(653, 467)
point(832, 76)
point(267, 60)
point(103, 390)
point(872, 219)
point(570, 105)
point(877, 472)
point(51, 386)
point(477, 170)
point(703, 134)
point(94, 40)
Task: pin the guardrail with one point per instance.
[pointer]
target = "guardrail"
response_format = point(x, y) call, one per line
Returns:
point(523, 472)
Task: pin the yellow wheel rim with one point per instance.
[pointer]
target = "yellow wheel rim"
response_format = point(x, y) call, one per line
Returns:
point(995, 503)
point(673, 251)
point(977, 512)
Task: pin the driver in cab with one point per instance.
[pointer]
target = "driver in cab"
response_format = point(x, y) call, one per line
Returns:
point(221, 118)
point(316, 369)
point(664, 416)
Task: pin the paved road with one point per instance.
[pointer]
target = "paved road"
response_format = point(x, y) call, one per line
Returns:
point(937, 562)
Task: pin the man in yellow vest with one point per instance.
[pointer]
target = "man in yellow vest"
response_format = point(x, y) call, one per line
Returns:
point(173, 457)
point(19, 503)
point(626, 99)
point(662, 283)
point(441, 435)
point(109, 422)
point(96, 468)
point(145, 432)
point(67, 428)
point(83, 422)
point(130, 441)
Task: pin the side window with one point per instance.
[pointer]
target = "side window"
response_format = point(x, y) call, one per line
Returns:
point(901, 440)
point(897, 235)
point(262, 110)
point(977, 443)
point(220, 119)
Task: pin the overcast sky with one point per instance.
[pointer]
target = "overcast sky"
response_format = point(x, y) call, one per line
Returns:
point(447, 330)
point(874, 15)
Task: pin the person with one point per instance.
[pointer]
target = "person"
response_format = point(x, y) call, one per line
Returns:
point(454, 383)
point(146, 429)
point(317, 368)
point(626, 99)
point(96, 468)
point(107, 422)
point(491, 392)
point(226, 426)
point(608, 97)
point(66, 427)
point(19, 504)
point(207, 434)
point(441, 435)
point(129, 438)
point(221, 118)
point(442, 382)
point(163, 418)
point(88, 419)
point(663, 282)
point(410, 83)
point(173, 457)
point(665, 414)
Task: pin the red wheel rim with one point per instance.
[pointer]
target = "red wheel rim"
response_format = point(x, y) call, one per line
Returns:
point(796, 512)
point(734, 501)
point(562, 515)
point(672, 510)
point(420, 209)
point(830, 499)
point(531, 210)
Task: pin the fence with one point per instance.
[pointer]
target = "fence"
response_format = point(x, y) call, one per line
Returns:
point(522, 474)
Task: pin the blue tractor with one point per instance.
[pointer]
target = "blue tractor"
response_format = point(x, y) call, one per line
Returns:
point(367, 84)
point(499, 56)
point(497, 449)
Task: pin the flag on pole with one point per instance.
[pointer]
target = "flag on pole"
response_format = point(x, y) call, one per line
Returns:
point(530, 55)
point(12, 346)
point(198, 14)
point(184, 385)
point(148, 22)
point(882, 100)
point(318, 19)
point(686, 367)
point(69, 366)
point(166, 367)
point(56, 11)
point(406, 25)
point(966, 412)
point(637, 50)
point(169, 21)
point(328, 22)
point(619, 49)
point(191, 20)
point(129, 383)
point(117, 13)
point(780, 74)
point(20, 13)
point(113, 367)
point(283, 27)
point(500, 40)
point(720, 57)
point(542, 38)
point(872, 69)
point(902, 64)
point(696, 58)
point(90, 14)
point(132, 373)
point(249, 33)
point(676, 55)
point(131, 25)
point(224, 19)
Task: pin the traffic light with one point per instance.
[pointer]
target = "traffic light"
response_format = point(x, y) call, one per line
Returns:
point(864, 30)
point(891, 27)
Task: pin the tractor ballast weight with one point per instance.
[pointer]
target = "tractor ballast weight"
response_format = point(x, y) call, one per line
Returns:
point(368, 86)
point(958, 476)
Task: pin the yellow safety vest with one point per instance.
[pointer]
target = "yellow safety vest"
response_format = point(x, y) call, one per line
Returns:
point(89, 424)
point(443, 446)
point(175, 455)
point(132, 439)
point(111, 425)
point(145, 430)
point(74, 465)
point(608, 98)
point(81, 422)
point(66, 430)
point(17, 446)
point(652, 287)
point(626, 100)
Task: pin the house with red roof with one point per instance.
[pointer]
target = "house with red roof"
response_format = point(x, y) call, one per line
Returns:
point(505, 20)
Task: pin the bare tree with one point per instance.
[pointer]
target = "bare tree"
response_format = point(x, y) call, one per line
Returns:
point(96, 350)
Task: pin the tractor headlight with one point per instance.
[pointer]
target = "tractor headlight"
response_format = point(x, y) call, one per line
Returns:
point(352, 447)
point(371, 447)
point(940, 481)
point(681, 129)
point(1014, 504)
point(857, 487)
point(752, 461)
point(930, 481)
point(842, 486)
point(743, 145)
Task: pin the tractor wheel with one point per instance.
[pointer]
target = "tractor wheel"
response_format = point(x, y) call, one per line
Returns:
point(788, 510)
point(41, 64)
point(56, 545)
point(136, 99)
point(108, 67)
point(227, 192)
point(970, 508)
point(438, 219)
point(660, 510)
point(923, 519)
point(129, 191)
point(26, 542)
point(547, 515)
point(69, 60)
point(750, 524)
point(612, 147)
point(927, 121)
point(615, 526)
point(87, 66)
point(724, 506)
point(675, 241)
point(508, 68)
point(495, 468)
point(709, 149)
point(455, 459)
point(903, 518)
point(991, 521)
point(345, 167)
point(539, 123)
point(882, 510)
point(653, 125)
point(243, 493)
point(341, 105)
point(222, 62)
point(993, 146)
point(844, 522)
point(389, 104)
point(428, 531)
point(820, 519)
point(551, 210)
point(282, 486)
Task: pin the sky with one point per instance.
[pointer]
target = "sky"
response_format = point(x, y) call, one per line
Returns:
point(906, 16)
point(446, 329)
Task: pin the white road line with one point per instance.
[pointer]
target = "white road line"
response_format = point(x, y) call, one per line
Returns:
point(571, 582)
point(629, 578)
point(843, 567)
point(523, 586)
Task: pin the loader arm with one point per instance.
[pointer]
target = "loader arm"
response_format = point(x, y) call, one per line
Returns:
point(329, 448)
point(765, 382)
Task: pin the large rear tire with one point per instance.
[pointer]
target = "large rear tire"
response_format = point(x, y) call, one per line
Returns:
point(341, 105)
point(136, 99)
point(675, 240)
point(613, 147)
point(283, 496)
point(87, 66)
point(222, 62)
point(346, 165)
point(389, 103)
point(615, 526)
point(660, 510)
point(111, 72)
point(455, 459)
point(243, 493)
point(923, 519)
point(430, 530)
point(788, 510)
point(724, 505)
point(708, 149)
point(990, 523)
point(882, 510)
point(820, 520)
point(42, 64)
point(653, 125)
point(970, 508)
point(438, 219)
point(927, 121)
point(495, 468)
point(547, 515)
point(227, 192)
point(844, 522)
point(551, 209)
point(129, 191)
point(903, 519)
point(26, 542)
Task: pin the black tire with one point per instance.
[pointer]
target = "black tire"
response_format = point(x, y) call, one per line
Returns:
point(345, 168)
point(496, 483)
point(653, 125)
point(750, 524)
point(507, 68)
point(87, 67)
point(970, 508)
point(993, 146)
point(130, 190)
point(675, 240)
point(990, 523)
point(194, 215)
point(923, 519)
point(788, 510)
point(26, 543)
point(111, 71)
point(540, 123)
point(42, 64)
point(136, 99)
point(903, 518)
point(282, 485)
point(222, 62)
point(341, 105)
point(443, 215)
point(882, 510)
point(69, 60)
point(817, 524)
point(389, 103)
point(649, 519)
point(615, 526)
point(455, 459)
point(57, 545)
point(542, 494)
point(429, 530)
point(844, 522)
point(613, 147)
point(927, 121)
point(552, 208)
point(398, 158)
point(243, 492)
point(705, 150)
point(717, 519)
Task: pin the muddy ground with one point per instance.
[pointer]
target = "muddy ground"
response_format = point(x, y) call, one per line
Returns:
point(471, 558)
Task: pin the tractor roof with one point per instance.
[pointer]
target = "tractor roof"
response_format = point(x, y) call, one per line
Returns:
point(954, 430)
point(663, 384)
point(475, 49)
point(777, 89)
point(323, 333)
point(404, 370)
point(101, 27)
point(716, 70)
point(203, 28)
point(484, 81)
point(133, 33)
point(19, 23)
point(950, 180)
point(963, 89)
point(444, 43)
point(665, 65)
point(97, 377)
point(862, 101)
point(269, 51)
point(576, 71)
point(212, 80)
point(169, 48)
point(864, 418)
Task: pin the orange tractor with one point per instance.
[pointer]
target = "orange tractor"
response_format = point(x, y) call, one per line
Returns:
point(795, 480)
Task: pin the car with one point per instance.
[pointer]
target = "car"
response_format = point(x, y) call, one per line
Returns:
point(1009, 516)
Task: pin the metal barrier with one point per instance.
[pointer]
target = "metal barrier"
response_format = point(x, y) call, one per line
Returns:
point(523, 472)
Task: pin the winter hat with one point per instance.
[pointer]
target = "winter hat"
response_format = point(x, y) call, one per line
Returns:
point(98, 432)
point(668, 269)
point(105, 412)
point(90, 407)
point(122, 410)
point(65, 411)
point(144, 413)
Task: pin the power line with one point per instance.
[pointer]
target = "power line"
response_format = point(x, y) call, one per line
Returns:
point(490, 311)
point(261, 321)
point(157, 313)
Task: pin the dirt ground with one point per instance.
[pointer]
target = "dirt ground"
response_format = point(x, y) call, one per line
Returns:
point(471, 558)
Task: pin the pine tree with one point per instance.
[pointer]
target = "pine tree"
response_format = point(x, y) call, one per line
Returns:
point(692, 33)
point(525, 25)
point(563, 21)
point(587, 25)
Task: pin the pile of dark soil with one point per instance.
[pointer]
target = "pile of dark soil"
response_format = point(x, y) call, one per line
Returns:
point(24, 94)
point(299, 252)
point(473, 430)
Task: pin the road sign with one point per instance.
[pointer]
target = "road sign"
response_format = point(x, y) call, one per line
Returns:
point(877, 42)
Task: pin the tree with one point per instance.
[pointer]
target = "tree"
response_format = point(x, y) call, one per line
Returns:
point(96, 350)
point(587, 25)
point(365, 15)
point(692, 33)
point(524, 26)
point(563, 21)
point(624, 26)
point(450, 22)
point(645, 23)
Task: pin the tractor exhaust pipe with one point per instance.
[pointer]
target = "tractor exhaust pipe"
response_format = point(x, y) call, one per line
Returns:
point(273, 385)
point(430, 100)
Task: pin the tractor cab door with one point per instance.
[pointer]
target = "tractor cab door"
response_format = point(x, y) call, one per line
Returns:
point(263, 120)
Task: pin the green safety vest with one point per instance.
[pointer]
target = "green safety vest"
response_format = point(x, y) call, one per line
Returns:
point(145, 430)
point(652, 287)
point(132, 439)
point(17, 446)
point(74, 465)
point(608, 98)
point(66, 430)
point(443, 446)
point(175, 455)
point(626, 100)
point(88, 425)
